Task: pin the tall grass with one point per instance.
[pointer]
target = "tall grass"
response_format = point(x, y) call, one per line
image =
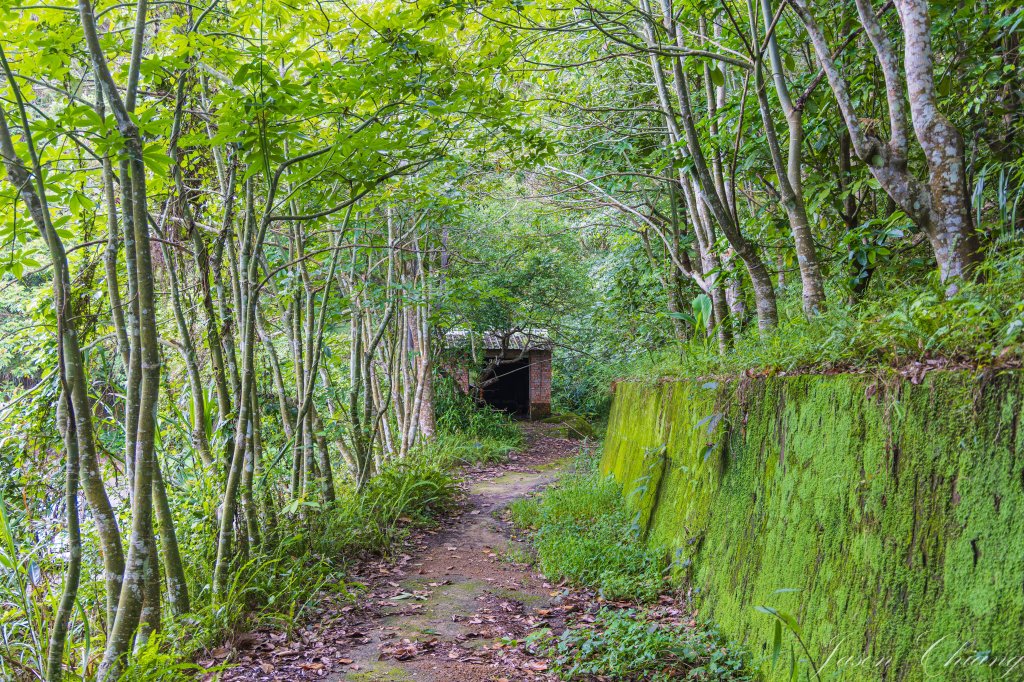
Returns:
point(469, 433)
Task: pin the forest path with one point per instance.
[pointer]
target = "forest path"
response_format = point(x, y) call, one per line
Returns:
point(439, 611)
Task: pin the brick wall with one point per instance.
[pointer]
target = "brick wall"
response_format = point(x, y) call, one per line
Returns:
point(540, 384)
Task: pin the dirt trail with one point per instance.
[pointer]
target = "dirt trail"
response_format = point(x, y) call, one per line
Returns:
point(440, 611)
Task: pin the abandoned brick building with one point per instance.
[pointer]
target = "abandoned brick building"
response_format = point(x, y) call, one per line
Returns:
point(512, 370)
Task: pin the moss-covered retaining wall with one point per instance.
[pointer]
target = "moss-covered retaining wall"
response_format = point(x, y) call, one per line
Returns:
point(886, 517)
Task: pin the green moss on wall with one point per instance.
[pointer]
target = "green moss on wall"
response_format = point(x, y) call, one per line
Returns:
point(887, 517)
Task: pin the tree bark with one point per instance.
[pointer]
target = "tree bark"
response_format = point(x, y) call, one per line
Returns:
point(62, 618)
point(790, 172)
point(951, 230)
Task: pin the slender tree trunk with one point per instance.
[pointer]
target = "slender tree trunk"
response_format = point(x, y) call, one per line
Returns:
point(789, 173)
point(764, 293)
point(32, 189)
point(174, 570)
point(139, 547)
point(213, 337)
point(251, 242)
point(72, 577)
point(275, 372)
point(195, 382)
point(252, 516)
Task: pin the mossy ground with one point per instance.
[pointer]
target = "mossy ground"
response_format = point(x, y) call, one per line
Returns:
point(885, 516)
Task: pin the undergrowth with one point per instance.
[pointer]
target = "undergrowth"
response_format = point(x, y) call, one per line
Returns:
point(299, 561)
point(454, 450)
point(584, 534)
point(981, 324)
point(627, 645)
point(468, 433)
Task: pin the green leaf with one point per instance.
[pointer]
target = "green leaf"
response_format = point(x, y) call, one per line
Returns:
point(156, 159)
point(786, 618)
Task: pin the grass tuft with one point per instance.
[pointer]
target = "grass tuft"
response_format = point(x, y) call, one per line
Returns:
point(583, 533)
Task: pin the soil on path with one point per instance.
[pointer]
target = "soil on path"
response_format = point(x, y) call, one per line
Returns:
point(443, 610)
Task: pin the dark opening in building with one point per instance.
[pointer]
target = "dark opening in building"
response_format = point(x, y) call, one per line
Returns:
point(511, 391)
point(520, 361)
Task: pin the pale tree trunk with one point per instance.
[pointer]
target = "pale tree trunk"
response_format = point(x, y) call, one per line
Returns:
point(707, 194)
point(307, 358)
point(229, 319)
point(248, 474)
point(789, 173)
point(294, 327)
point(110, 253)
point(427, 417)
point(940, 207)
point(710, 263)
point(691, 191)
point(327, 489)
point(382, 402)
point(251, 242)
point(951, 231)
point(141, 541)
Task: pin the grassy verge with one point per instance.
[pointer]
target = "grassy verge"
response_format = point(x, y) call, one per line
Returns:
point(299, 563)
point(897, 323)
point(583, 534)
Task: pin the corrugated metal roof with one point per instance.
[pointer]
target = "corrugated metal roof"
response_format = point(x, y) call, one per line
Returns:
point(526, 339)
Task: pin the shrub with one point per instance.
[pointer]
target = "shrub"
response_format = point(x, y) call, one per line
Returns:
point(414, 490)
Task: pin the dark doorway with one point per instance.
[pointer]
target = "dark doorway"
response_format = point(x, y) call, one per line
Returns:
point(511, 392)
